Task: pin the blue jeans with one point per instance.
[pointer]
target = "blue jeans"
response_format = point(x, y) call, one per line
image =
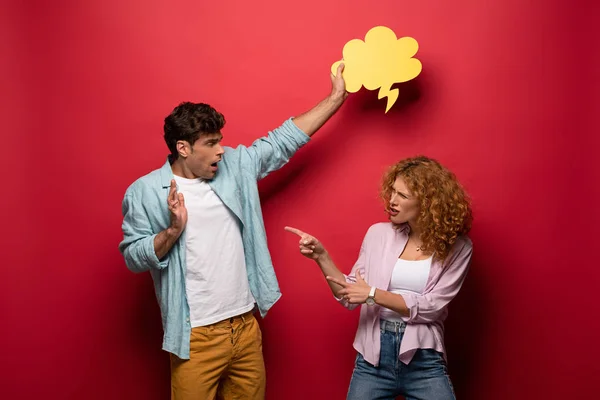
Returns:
point(424, 378)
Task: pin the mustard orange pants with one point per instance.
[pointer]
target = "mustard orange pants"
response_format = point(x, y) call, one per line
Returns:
point(226, 362)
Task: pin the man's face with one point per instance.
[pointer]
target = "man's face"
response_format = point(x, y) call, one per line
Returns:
point(201, 159)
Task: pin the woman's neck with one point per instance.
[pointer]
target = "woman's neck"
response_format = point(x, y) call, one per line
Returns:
point(415, 232)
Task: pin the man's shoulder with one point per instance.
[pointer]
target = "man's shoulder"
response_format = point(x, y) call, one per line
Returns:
point(149, 182)
point(235, 159)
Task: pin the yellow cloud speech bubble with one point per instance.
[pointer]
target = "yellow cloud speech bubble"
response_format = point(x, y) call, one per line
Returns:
point(379, 62)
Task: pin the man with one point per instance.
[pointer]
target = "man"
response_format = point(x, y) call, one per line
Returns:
point(196, 225)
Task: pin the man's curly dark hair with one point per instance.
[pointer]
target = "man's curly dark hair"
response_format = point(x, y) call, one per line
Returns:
point(188, 121)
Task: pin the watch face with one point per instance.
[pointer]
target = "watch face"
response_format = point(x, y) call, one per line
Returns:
point(370, 301)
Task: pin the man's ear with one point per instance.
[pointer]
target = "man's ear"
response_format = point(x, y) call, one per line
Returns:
point(183, 148)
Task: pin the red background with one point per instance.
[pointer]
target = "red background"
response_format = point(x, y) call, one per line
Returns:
point(506, 100)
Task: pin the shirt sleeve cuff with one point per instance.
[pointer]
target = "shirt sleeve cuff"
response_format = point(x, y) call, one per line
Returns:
point(151, 257)
point(297, 133)
point(411, 304)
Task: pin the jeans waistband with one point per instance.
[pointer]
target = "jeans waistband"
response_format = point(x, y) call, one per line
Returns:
point(392, 326)
point(237, 318)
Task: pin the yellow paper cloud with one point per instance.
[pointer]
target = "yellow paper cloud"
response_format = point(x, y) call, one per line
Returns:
point(379, 62)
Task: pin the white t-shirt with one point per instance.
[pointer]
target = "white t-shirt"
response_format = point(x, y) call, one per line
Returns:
point(216, 281)
point(407, 277)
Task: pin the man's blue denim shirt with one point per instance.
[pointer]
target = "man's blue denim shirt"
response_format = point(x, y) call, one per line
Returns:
point(145, 214)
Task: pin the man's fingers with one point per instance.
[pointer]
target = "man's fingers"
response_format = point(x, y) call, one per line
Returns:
point(172, 190)
point(338, 71)
point(173, 197)
point(181, 199)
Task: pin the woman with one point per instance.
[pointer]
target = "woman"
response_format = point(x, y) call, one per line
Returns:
point(407, 272)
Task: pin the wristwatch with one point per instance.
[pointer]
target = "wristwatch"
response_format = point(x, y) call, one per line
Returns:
point(371, 299)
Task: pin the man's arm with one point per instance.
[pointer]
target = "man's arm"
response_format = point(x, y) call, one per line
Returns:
point(271, 152)
point(164, 241)
point(310, 121)
point(141, 247)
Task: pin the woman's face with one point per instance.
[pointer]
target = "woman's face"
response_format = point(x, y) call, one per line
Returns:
point(404, 206)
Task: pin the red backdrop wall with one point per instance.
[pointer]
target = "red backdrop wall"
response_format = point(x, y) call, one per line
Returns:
point(506, 99)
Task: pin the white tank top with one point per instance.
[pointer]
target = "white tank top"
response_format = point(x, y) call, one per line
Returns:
point(407, 277)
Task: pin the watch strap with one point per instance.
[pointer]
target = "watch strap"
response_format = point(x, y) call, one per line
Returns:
point(372, 292)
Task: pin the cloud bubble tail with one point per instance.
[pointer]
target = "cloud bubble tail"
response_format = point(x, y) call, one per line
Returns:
point(392, 96)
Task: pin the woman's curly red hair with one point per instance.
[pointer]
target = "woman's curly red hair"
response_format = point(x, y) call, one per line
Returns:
point(445, 209)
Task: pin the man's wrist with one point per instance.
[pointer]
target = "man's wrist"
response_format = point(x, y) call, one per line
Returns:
point(173, 232)
point(337, 98)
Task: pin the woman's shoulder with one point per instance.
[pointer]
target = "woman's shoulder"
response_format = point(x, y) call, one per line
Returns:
point(464, 242)
point(381, 228)
point(462, 249)
point(385, 232)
